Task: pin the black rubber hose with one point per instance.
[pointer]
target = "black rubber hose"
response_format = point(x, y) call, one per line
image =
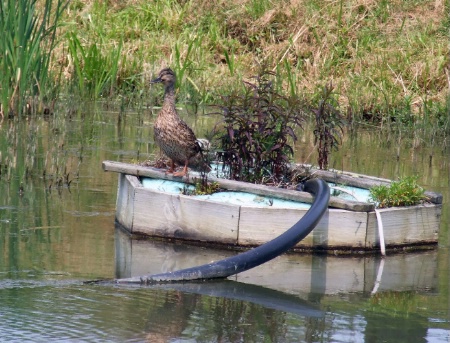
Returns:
point(257, 256)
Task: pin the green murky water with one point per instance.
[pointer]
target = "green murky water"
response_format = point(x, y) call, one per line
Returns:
point(54, 236)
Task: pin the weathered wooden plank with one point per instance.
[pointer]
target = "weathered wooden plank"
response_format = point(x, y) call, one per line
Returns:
point(405, 225)
point(180, 216)
point(340, 177)
point(353, 179)
point(336, 229)
point(293, 195)
point(263, 190)
point(137, 170)
point(125, 200)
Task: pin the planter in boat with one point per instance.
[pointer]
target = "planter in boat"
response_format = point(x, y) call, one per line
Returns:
point(151, 203)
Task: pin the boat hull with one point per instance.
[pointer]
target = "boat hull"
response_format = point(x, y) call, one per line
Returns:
point(153, 213)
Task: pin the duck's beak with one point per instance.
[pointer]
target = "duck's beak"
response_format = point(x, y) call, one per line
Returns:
point(157, 80)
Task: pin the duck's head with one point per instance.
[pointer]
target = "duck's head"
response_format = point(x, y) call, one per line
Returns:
point(166, 77)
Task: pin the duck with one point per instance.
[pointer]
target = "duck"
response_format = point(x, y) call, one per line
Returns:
point(174, 137)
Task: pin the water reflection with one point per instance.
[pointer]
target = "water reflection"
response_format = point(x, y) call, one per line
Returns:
point(379, 293)
point(255, 294)
point(302, 274)
point(51, 310)
point(54, 238)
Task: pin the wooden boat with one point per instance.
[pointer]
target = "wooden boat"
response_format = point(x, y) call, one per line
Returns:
point(349, 226)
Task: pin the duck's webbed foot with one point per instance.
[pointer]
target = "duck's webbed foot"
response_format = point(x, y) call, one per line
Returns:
point(182, 172)
point(171, 169)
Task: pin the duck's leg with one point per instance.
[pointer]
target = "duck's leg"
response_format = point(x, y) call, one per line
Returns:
point(172, 167)
point(184, 171)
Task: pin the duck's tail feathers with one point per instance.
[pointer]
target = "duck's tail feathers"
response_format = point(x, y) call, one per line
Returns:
point(200, 161)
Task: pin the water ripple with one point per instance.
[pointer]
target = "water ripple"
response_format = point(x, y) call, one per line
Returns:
point(49, 311)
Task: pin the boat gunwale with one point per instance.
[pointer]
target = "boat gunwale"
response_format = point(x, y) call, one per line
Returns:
point(239, 186)
point(337, 177)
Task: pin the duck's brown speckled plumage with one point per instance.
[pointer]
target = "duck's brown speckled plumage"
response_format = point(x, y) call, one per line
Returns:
point(172, 134)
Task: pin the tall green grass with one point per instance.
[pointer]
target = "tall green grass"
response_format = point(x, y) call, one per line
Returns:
point(95, 70)
point(28, 37)
point(94, 62)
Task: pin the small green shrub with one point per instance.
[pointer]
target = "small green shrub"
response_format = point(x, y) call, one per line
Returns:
point(202, 187)
point(405, 192)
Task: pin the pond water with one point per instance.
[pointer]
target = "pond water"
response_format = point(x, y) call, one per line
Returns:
point(57, 231)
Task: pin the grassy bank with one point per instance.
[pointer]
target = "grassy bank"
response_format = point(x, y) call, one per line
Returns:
point(384, 57)
point(388, 60)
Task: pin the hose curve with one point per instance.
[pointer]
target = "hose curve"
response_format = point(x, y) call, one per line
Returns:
point(254, 257)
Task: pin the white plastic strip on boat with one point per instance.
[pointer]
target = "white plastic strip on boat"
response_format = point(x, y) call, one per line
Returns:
point(380, 232)
point(377, 214)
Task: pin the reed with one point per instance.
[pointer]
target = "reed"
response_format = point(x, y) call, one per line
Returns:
point(28, 30)
point(95, 70)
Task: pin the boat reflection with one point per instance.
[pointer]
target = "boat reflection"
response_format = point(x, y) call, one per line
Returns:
point(293, 274)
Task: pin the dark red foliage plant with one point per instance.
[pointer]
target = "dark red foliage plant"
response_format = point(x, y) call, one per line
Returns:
point(259, 130)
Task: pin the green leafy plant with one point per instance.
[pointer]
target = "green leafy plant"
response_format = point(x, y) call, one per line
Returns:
point(202, 187)
point(329, 126)
point(259, 128)
point(404, 192)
